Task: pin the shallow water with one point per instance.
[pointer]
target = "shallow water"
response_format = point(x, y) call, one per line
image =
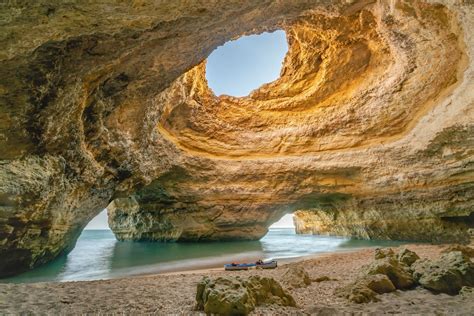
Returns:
point(98, 255)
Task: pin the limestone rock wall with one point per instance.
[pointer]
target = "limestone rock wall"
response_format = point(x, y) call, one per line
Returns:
point(439, 213)
point(107, 101)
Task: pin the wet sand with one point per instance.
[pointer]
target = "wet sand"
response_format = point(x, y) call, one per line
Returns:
point(174, 293)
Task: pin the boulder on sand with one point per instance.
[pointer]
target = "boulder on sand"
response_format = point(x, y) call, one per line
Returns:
point(396, 271)
point(357, 293)
point(407, 256)
point(447, 275)
point(386, 274)
point(239, 296)
point(381, 253)
point(366, 288)
point(378, 283)
point(296, 277)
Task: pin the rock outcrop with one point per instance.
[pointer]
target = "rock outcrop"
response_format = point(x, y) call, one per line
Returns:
point(368, 132)
point(407, 257)
point(395, 270)
point(239, 296)
point(366, 288)
point(449, 274)
point(452, 273)
point(296, 277)
point(387, 273)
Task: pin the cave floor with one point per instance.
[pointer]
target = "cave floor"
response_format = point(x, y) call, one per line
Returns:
point(175, 293)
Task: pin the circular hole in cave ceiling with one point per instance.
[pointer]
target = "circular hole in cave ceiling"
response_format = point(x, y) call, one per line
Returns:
point(241, 66)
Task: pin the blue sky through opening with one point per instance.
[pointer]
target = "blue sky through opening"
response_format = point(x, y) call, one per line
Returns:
point(243, 65)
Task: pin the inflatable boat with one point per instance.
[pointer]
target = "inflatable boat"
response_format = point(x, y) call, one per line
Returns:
point(238, 266)
point(245, 266)
point(267, 265)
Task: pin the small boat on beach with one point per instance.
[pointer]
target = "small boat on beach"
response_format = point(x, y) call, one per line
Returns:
point(245, 266)
point(267, 265)
point(238, 266)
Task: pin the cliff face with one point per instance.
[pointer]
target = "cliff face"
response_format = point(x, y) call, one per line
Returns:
point(434, 209)
point(370, 122)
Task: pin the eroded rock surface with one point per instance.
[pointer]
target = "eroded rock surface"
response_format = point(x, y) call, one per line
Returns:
point(387, 273)
point(366, 288)
point(368, 132)
point(407, 257)
point(295, 277)
point(452, 273)
point(239, 296)
point(448, 274)
point(396, 271)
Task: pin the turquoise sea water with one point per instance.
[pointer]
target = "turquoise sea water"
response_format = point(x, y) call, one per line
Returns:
point(98, 255)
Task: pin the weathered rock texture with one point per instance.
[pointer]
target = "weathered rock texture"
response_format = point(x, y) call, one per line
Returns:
point(448, 274)
point(366, 288)
point(452, 273)
point(239, 296)
point(296, 277)
point(369, 131)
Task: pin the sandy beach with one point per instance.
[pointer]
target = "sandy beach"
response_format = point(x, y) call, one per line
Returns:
point(174, 293)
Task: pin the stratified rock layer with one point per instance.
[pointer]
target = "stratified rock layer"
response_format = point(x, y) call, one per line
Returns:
point(368, 132)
